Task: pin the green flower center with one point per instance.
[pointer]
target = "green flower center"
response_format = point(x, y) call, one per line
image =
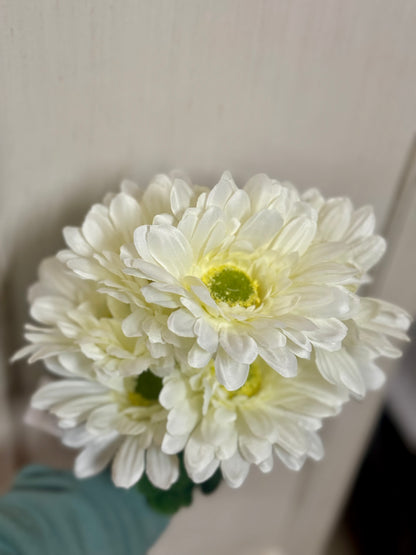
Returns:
point(146, 390)
point(252, 385)
point(231, 285)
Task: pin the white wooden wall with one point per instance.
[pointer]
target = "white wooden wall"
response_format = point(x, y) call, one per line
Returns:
point(319, 92)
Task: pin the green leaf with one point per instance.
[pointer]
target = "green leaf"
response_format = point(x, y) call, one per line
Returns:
point(169, 501)
point(180, 493)
point(148, 385)
point(212, 483)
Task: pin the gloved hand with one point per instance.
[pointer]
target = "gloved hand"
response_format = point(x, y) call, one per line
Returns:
point(50, 512)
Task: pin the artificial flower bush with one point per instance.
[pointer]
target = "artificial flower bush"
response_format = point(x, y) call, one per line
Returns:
point(222, 325)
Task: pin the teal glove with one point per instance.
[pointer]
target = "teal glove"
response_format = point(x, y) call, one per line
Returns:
point(50, 512)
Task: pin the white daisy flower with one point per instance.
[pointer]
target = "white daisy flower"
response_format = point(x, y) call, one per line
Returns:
point(246, 274)
point(94, 248)
point(352, 231)
point(94, 254)
point(270, 415)
point(124, 424)
point(80, 331)
point(355, 365)
point(349, 236)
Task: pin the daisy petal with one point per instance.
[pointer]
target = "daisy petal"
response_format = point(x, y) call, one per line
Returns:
point(223, 190)
point(340, 368)
point(296, 236)
point(62, 390)
point(164, 245)
point(128, 464)
point(281, 360)
point(162, 469)
point(260, 229)
point(235, 470)
point(95, 457)
point(180, 197)
point(207, 336)
point(182, 323)
point(198, 357)
point(231, 374)
point(239, 346)
point(174, 444)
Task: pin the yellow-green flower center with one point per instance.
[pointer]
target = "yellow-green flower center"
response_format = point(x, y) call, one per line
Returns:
point(229, 284)
point(146, 390)
point(252, 385)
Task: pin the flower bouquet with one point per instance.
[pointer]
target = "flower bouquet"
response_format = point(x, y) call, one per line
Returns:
point(196, 332)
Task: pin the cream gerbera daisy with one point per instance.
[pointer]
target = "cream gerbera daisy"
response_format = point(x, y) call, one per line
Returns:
point(355, 365)
point(80, 330)
point(242, 278)
point(347, 236)
point(123, 423)
point(94, 248)
point(270, 415)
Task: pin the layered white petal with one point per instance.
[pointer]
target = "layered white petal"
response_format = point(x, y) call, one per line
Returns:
point(198, 357)
point(239, 345)
point(64, 390)
point(164, 245)
point(340, 368)
point(182, 323)
point(281, 360)
point(259, 230)
point(162, 469)
point(96, 456)
point(235, 470)
point(128, 464)
point(230, 373)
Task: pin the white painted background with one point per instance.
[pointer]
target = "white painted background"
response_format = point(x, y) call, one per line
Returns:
point(320, 92)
